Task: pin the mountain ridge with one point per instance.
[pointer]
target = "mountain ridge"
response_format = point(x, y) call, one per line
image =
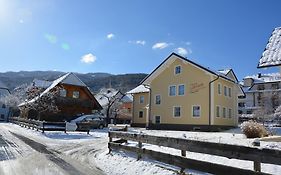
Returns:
point(95, 81)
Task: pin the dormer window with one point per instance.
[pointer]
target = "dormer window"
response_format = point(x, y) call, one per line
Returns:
point(177, 69)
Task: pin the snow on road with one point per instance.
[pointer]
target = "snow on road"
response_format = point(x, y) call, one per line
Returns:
point(23, 155)
point(89, 152)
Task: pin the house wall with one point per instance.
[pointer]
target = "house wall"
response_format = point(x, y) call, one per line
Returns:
point(70, 89)
point(196, 93)
point(225, 102)
point(137, 106)
point(196, 82)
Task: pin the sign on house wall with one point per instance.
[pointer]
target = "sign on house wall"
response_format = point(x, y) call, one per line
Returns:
point(196, 87)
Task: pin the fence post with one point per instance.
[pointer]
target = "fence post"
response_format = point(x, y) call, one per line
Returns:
point(257, 164)
point(139, 152)
point(110, 140)
point(65, 127)
point(43, 123)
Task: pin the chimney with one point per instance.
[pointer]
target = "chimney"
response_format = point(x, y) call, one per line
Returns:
point(259, 75)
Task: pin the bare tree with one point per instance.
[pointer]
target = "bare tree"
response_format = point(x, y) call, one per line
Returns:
point(267, 104)
point(112, 101)
point(41, 102)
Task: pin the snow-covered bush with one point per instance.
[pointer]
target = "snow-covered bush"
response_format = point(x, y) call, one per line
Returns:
point(253, 129)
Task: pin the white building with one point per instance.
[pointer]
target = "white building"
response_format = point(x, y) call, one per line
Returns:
point(261, 90)
point(4, 109)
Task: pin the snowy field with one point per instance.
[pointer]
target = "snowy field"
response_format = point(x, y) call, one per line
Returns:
point(91, 150)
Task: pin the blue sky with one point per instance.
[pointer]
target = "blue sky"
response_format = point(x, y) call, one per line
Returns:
point(130, 36)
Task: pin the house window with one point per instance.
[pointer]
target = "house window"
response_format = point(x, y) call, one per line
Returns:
point(141, 99)
point(2, 116)
point(241, 104)
point(177, 69)
point(140, 114)
point(196, 111)
point(224, 112)
point(219, 88)
point(261, 87)
point(275, 86)
point(181, 90)
point(75, 94)
point(177, 111)
point(240, 112)
point(218, 111)
point(229, 92)
point(157, 119)
point(225, 90)
point(229, 113)
point(172, 90)
point(3, 106)
point(158, 99)
point(63, 93)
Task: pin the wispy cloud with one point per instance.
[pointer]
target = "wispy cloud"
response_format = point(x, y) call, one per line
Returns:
point(160, 45)
point(182, 51)
point(188, 43)
point(140, 42)
point(88, 58)
point(110, 36)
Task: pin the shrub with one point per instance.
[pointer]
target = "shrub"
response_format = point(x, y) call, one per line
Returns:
point(253, 129)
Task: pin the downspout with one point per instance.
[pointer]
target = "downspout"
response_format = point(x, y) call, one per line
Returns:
point(210, 105)
point(149, 112)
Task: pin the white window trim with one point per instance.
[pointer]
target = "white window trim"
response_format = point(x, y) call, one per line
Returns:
point(219, 111)
point(219, 84)
point(139, 114)
point(225, 112)
point(225, 91)
point(155, 119)
point(155, 99)
point(183, 90)
point(175, 69)
point(140, 100)
point(199, 111)
point(174, 112)
point(169, 91)
point(230, 92)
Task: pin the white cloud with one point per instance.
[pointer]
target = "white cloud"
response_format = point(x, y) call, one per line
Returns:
point(160, 45)
point(88, 58)
point(140, 42)
point(182, 51)
point(110, 36)
point(188, 43)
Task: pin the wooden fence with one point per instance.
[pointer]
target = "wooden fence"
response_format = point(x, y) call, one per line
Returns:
point(41, 125)
point(257, 155)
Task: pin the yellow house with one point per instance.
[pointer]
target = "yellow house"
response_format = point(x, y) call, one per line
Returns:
point(183, 95)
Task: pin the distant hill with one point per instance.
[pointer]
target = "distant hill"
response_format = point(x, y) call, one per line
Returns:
point(95, 81)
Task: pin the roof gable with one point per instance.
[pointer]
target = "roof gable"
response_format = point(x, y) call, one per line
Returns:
point(170, 59)
point(271, 55)
point(72, 79)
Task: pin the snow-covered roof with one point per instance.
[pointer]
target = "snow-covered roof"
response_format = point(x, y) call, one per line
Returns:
point(104, 94)
point(41, 83)
point(127, 98)
point(271, 55)
point(69, 78)
point(224, 71)
point(139, 89)
point(264, 78)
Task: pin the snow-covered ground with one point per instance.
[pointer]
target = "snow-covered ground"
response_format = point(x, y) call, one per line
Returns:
point(91, 150)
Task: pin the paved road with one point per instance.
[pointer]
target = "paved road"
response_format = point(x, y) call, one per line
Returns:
point(20, 155)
